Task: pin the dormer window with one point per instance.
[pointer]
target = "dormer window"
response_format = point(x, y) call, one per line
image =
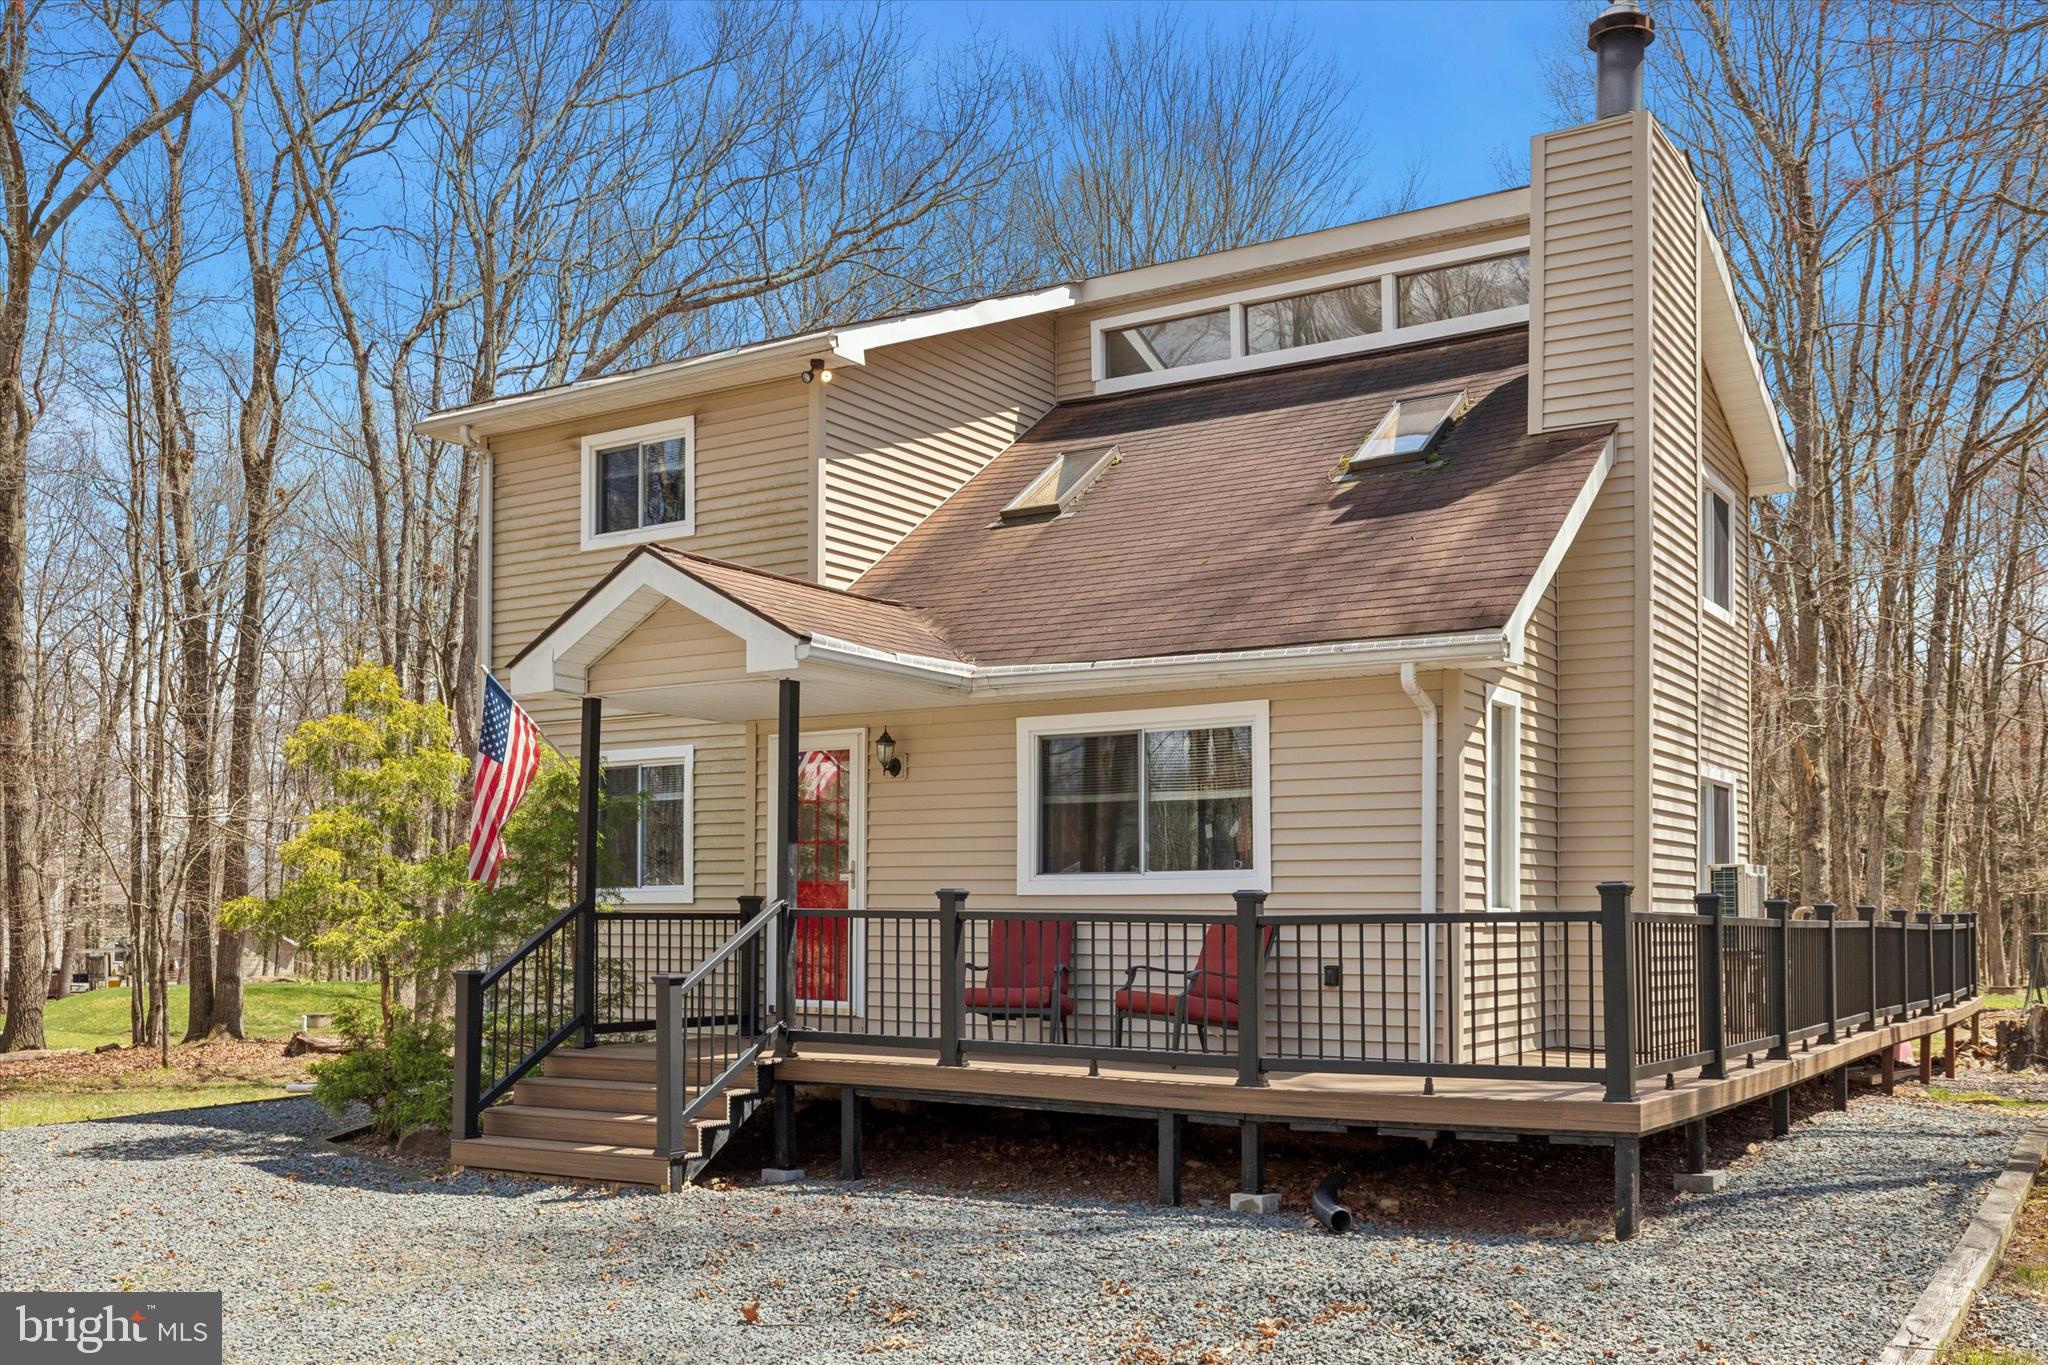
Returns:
point(640, 484)
point(1412, 430)
point(1060, 486)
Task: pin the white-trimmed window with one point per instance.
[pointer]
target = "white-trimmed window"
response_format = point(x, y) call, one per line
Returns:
point(1144, 802)
point(1717, 548)
point(640, 484)
point(1442, 294)
point(1717, 820)
point(1503, 800)
point(650, 824)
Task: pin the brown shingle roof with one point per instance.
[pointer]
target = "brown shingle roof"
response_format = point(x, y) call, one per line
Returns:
point(1221, 530)
point(810, 610)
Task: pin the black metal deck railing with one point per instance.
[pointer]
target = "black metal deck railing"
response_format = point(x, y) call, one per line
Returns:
point(1248, 990)
point(1482, 995)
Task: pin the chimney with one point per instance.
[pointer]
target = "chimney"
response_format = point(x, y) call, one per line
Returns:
point(1619, 36)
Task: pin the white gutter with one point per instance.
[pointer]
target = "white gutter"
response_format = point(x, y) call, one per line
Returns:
point(1428, 869)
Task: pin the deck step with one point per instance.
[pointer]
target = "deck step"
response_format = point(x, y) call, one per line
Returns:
point(593, 1161)
point(586, 1125)
point(595, 1065)
point(557, 1092)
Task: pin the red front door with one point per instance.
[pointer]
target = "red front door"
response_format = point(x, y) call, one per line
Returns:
point(824, 874)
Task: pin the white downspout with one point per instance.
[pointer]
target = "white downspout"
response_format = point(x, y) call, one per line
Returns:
point(1427, 872)
point(486, 515)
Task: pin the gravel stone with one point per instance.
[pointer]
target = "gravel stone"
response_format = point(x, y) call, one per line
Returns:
point(1816, 1250)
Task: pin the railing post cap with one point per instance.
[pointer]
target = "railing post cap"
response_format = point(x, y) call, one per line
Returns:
point(1604, 888)
point(1250, 895)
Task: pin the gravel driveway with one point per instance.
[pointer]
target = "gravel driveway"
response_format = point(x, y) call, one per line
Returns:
point(1814, 1252)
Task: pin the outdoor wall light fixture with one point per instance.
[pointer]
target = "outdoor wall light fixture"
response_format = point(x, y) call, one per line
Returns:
point(817, 372)
point(885, 756)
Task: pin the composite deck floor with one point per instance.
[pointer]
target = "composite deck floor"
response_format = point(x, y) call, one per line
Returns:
point(1454, 1104)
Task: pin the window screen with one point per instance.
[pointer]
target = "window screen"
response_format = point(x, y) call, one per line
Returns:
point(642, 484)
point(1717, 550)
point(646, 832)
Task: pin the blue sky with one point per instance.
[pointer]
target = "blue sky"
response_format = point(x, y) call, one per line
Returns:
point(1450, 85)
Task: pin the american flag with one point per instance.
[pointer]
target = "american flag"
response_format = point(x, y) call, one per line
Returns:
point(506, 754)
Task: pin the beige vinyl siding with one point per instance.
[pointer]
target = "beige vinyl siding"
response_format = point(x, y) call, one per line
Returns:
point(905, 430)
point(1673, 532)
point(1724, 649)
point(1586, 218)
point(1076, 378)
point(753, 469)
point(1346, 834)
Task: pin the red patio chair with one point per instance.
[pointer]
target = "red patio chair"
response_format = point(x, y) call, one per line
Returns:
point(1207, 995)
point(1029, 973)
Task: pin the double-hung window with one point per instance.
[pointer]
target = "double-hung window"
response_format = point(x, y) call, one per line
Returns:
point(1717, 550)
point(1144, 802)
point(640, 484)
point(646, 854)
point(1717, 821)
point(1503, 801)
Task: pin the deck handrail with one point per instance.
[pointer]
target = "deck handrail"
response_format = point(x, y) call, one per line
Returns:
point(701, 1009)
point(522, 998)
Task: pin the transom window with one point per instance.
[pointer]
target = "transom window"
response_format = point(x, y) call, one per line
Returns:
point(1311, 319)
point(640, 484)
point(1169, 801)
point(1717, 552)
point(1169, 345)
point(1460, 291)
point(647, 826)
point(1335, 314)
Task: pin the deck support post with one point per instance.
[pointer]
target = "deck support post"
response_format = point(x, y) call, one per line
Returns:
point(1251, 995)
point(1888, 1067)
point(1926, 1058)
point(469, 1052)
point(849, 1133)
point(589, 774)
point(1948, 1052)
point(1618, 1037)
point(951, 977)
point(1628, 1185)
point(785, 1126)
point(1173, 1132)
point(1839, 1085)
point(1976, 1020)
point(1251, 1158)
point(1829, 992)
point(1713, 1003)
point(1696, 1147)
point(1781, 1112)
point(1778, 978)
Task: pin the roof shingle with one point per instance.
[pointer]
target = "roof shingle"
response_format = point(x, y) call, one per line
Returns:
point(1220, 528)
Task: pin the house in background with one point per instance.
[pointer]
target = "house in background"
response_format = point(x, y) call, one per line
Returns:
point(1307, 682)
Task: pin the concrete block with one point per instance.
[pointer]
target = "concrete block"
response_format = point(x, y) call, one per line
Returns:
point(772, 1176)
point(1706, 1182)
point(1254, 1203)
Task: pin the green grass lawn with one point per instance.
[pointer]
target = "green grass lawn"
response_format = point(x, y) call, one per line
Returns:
point(270, 1009)
point(145, 1092)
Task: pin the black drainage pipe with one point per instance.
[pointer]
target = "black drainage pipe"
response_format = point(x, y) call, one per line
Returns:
point(1323, 1204)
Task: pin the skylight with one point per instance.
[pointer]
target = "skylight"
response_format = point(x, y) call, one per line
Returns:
point(1411, 430)
point(1061, 485)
